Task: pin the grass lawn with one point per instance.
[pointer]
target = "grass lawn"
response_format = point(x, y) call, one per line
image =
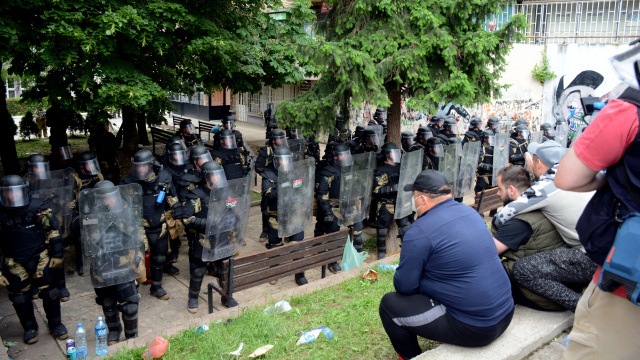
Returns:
point(24, 148)
point(350, 309)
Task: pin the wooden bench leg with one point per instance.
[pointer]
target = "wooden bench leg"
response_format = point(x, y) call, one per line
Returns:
point(324, 271)
point(480, 202)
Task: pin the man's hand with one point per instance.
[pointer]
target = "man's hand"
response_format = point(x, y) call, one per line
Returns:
point(3, 281)
point(55, 263)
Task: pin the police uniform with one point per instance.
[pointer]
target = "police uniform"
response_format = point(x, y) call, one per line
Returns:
point(385, 191)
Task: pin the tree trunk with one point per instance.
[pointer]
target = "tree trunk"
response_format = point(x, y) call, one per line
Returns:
point(7, 143)
point(394, 114)
point(143, 138)
point(130, 131)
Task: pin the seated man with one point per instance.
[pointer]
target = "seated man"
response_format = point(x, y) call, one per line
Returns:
point(525, 234)
point(554, 274)
point(450, 285)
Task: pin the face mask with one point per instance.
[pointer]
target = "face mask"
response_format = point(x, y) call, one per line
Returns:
point(413, 204)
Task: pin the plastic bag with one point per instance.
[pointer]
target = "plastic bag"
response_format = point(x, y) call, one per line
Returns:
point(279, 307)
point(351, 258)
point(156, 348)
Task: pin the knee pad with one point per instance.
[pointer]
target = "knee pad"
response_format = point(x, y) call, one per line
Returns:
point(129, 310)
point(50, 293)
point(19, 298)
point(108, 302)
point(198, 272)
point(158, 259)
point(382, 232)
point(402, 231)
point(358, 239)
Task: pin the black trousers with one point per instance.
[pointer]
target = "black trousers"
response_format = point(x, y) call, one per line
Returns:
point(405, 317)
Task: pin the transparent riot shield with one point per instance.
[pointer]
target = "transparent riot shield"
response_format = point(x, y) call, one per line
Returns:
point(450, 163)
point(110, 224)
point(295, 197)
point(536, 136)
point(468, 167)
point(58, 188)
point(227, 220)
point(356, 186)
point(379, 130)
point(500, 156)
point(410, 167)
point(297, 147)
point(562, 134)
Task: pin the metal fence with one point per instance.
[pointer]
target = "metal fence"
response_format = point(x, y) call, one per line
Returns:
point(580, 22)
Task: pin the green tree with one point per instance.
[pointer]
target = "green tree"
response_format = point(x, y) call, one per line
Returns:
point(382, 51)
point(97, 54)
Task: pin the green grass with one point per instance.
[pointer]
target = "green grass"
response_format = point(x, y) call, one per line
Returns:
point(255, 196)
point(350, 309)
point(25, 148)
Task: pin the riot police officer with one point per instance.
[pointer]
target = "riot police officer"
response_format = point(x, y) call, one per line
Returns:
point(475, 131)
point(518, 145)
point(283, 161)
point(433, 153)
point(485, 167)
point(156, 185)
point(358, 134)
point(436, 123)
point(448, 133)
point(37, 164)
point(313, 148)
point(164, 158)
point(229, 124)
point(421, 142)
point(493, 124)
point(230, 157)
point(115, 261)
point(31, 246)
point(188, 133)
point(270, 120)
point(62, 158)
point(519, 121)
point(341, 133)
point(370, 142)
point(385, 191)
point(407, 139)
point(265, 157)
point(548, 132)
point(380, 116)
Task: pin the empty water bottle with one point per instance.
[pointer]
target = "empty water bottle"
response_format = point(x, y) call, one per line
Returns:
point(327, 332)
point(387, 267)
point(101, 337)
point(81, 343)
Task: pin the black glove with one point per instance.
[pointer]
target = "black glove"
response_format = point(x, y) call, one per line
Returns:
point(178, 211)
point(486, 167)
point(329, 217)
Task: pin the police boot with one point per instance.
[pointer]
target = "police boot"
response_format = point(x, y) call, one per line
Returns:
point(195, 284)
point(112, 319)
point(51, 304)
point(382, 243)
point(300, 279)
point(358, 240)
point(59, 279)
point(155, 272)
point(130, 319)
point(264, 235)
point(24, 309)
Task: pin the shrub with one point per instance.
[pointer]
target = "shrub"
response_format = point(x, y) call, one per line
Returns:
point(28, 126)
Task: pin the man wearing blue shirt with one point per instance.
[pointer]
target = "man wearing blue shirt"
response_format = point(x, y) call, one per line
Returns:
point(450, 284)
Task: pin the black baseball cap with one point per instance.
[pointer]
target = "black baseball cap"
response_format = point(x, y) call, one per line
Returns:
point(430, 182)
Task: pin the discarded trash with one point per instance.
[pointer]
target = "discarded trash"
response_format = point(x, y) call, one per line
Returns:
point(279, 307)
point(312, 335)
point(239, 351)
point(202, 329)
point(9, 344)
point(370, 275)
point(387, 267)
point(156, 348)
point(261, 351)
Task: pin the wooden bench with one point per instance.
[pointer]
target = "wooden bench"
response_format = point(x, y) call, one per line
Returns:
point(205, 126)
point(247, 271)
point(177, 120)
point(160, 136)
point(487, 200)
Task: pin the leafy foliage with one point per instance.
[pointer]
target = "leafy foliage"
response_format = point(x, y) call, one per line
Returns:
point(543, 71)
point(28, 126)
point(429, 51)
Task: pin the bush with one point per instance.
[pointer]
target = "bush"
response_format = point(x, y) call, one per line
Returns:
point(28, 126)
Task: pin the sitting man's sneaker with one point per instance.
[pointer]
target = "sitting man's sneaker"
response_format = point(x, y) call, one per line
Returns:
point(64, 295)
point(171, 270)
point(192, 305)
point(334, 267)
point(31, 336)
point(60, 332)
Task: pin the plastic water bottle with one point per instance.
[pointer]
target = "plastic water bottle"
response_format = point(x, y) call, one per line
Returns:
point(81, 343)
point(327, 332)
point(101, 337)
point(388, 267)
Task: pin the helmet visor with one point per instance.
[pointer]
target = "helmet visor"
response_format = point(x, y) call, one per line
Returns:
point(216, 179)
point(280, 141)
point(178, 158)
point(14, 196)
point(228, 142)
point(188, 129)
point(372, 140)
point(408, 141)
point(89, 167)
point(141, 170)
point(40, 169)
point(394, 155)
point(436, 150)
point(524, 134)
point(111, 199)
point(343, 158)
point(199, 160)
point(550, 132)
point(65, 152)
point(229, 124)
point(283, 162)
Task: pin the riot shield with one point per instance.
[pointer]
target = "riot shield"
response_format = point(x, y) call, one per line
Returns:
point(110, 228)
point(450, 164)
point(297, 147)
point(58, 188)
point(410, 168)
point(500, 156)
point(226, 220)
point(356, 186)
point(468, 167)
point(536, 136)
point(379, 130)
point(295, 197)
point(562, 134)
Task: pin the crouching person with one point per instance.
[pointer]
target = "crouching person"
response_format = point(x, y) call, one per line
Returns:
point(450, 285)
